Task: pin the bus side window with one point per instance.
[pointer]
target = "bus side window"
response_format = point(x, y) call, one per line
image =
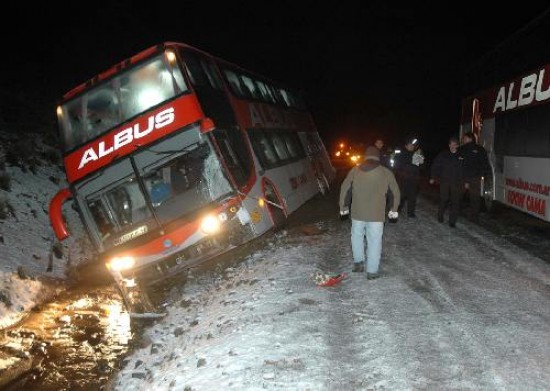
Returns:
point(251, 87)
point(234, 82)
point(280, 146)
point(293, 145)
point(264, 149)
point(267, 95)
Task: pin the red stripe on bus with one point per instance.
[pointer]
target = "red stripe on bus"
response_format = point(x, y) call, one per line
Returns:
point(104, 150)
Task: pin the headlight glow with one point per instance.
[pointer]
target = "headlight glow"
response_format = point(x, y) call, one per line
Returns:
point(121, 263)
point(210, 225)
point(171, 56)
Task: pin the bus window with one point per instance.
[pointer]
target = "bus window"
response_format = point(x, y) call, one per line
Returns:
point(293, 145)
point(264, 149)
point(280, 146)
point(102, 111)
point(234, 82)
point(202, 73)
point(148, 86)
point(183, 178)
point(118, 209)
point(251, 87)
point(266, 93)
point(101, 217)
point(212, 75)
point(285, 97)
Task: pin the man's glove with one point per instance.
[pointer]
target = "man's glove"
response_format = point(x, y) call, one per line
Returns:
point(417, 158)
point(393, 215)
point(344, 214)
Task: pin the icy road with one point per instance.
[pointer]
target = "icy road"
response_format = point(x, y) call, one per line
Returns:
point(454, 309)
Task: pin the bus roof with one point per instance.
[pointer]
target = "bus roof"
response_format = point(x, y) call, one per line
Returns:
point(152, 50)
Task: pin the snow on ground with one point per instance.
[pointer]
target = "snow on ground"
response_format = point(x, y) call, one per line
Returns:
point(454, 309)
point(26, 237)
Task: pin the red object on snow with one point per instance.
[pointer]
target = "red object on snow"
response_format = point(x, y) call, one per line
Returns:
point(334, 280)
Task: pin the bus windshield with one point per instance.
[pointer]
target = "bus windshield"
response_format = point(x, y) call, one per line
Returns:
point(118, 100)
point(173, 179)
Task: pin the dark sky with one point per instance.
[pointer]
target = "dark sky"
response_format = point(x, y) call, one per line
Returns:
point(365, 67)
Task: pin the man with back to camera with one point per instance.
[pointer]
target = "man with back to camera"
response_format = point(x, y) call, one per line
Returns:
point(447, 169)
point(365, 188)
point(475, 166)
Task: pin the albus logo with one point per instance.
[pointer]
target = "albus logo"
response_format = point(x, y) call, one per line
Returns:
point(124, 137)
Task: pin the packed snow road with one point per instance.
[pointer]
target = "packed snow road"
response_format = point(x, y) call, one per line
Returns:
point(455, 308)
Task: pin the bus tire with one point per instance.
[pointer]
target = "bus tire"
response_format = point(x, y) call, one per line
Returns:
point(488, 196)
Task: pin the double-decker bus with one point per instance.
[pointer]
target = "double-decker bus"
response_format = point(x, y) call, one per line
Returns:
point(508, 109)
point(175, 156)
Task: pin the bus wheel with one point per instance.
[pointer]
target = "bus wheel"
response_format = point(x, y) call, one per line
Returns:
point(274, 206)
point(488, 194)
point(136, 299)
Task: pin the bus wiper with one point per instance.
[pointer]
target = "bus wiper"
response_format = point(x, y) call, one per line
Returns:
point(171, 152)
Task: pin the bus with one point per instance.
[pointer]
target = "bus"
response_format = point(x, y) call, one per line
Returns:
point(175, 156)
point(507, 107)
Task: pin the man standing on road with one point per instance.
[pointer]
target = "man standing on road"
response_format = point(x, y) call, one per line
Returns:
point(407, 166)
point(447, 169)
point(381, 146)
point(476, 166)
point(365, 188)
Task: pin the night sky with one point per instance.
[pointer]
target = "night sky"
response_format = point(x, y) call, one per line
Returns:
point(366, 68)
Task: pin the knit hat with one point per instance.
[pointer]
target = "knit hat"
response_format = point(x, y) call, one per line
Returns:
point(372, 153)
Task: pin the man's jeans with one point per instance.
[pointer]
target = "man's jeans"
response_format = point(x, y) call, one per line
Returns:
point(373, 232)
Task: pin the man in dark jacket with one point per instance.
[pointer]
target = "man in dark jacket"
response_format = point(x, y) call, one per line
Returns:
point(476, 166)
point(447, 169)
point(407, 166)
point(381, 146)
point(385, 161)
point(368, 184)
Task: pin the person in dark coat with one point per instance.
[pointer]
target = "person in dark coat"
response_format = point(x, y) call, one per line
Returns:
point(475, 166)
point(407, 166)
point(368, 183)
point(447, 170)
point(384, 156)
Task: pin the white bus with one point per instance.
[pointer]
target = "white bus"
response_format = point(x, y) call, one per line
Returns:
point(508, 109)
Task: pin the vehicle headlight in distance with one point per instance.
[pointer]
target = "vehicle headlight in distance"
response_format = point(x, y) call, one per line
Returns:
point(210, 224)
point(121, 263)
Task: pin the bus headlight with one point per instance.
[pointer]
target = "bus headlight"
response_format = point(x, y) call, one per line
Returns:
point(121, 263)
point(210, 225)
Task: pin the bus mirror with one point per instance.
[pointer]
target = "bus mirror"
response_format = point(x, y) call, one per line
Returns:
point(56, 214)
point(207, 125)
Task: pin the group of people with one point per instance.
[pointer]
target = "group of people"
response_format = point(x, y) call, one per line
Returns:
point(458, 169)
point(374, 192)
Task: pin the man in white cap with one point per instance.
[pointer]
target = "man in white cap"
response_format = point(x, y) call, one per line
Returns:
point(364, 189)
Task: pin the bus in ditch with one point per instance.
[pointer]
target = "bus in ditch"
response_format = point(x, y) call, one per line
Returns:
point(175, 156)
point(507, 107)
